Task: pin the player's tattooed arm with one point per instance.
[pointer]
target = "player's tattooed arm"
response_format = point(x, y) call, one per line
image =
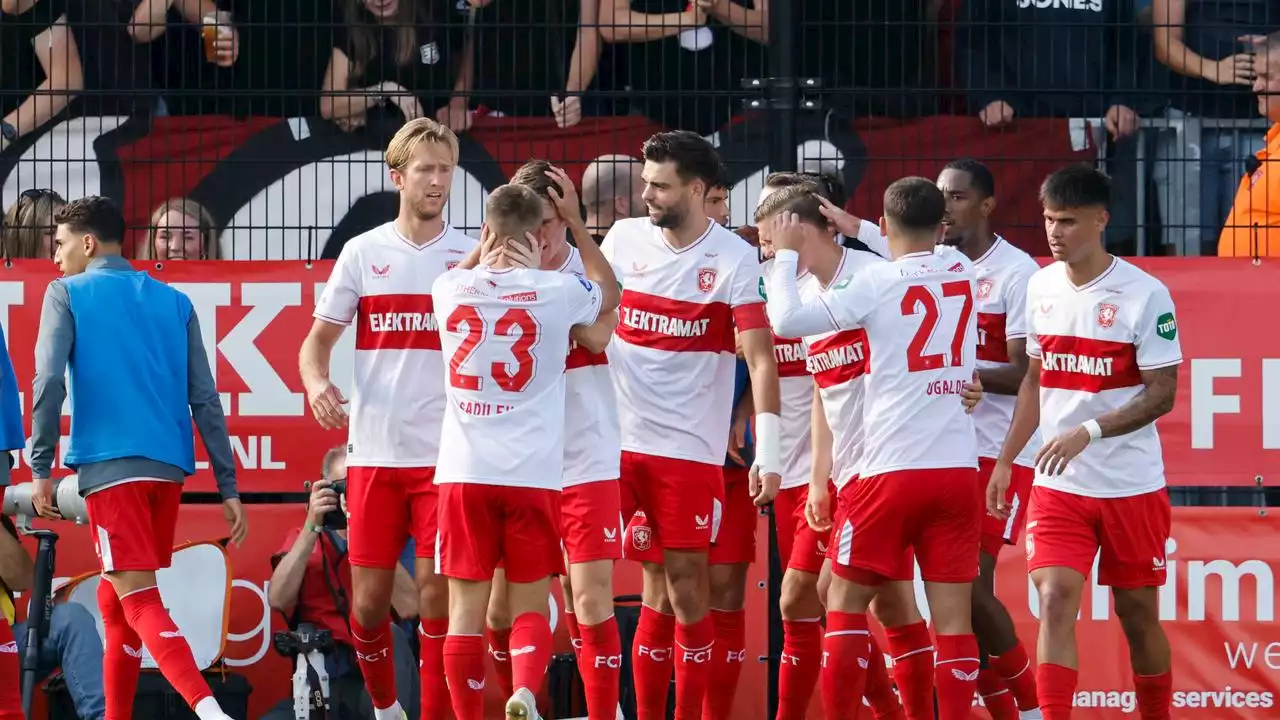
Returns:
point(1006, 379)
point(1159, 392)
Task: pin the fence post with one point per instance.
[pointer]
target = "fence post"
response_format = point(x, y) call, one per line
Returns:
point(783, 94)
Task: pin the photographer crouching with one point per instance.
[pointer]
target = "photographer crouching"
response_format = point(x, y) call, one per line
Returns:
point(311, 587)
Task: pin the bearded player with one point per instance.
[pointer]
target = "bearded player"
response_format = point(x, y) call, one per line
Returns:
point(1104, 355)
point(687, 284)
point(1007, 685)
point(381, 282)
point(916, 485)
point(506, 329)
point(590, 510)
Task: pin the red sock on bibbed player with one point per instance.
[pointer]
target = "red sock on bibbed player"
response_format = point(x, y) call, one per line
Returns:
point(121, 657)
point(153, 624)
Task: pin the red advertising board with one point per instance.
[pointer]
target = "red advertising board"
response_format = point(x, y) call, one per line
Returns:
point(1224, 430)
point(1219, 611)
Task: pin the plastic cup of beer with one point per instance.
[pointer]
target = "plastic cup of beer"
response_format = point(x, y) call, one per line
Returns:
point(217, 26)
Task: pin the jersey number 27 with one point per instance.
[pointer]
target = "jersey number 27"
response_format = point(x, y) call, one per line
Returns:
point(517, 322)
point(920, 297)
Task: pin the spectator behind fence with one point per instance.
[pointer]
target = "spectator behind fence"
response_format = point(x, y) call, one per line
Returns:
point(882, 45)
point(117, 72)
point(311, 583)
point(536, 58)
point(1253, 227)
point(687, 60)
point(71, 643)
point(611, 191)
point(40, 71)
point(412, 55)
point(201, 44)
point(28, 227)
point(1213, 68)
point(181, 229)
point(1064, 60)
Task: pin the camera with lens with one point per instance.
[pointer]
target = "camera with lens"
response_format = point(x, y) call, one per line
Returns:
point(306, 639)
point(337, 519)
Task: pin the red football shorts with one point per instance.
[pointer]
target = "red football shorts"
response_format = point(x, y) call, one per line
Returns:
point(735, 542)
point(799, 546)
point(133, 524)
point(1130, 533)
point(678, 499)
point(882, 518)
point(483, 526)
point(384, 507)
point(591, 521)
point(997, 533)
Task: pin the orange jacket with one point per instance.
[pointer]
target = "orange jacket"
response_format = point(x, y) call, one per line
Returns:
point(1253, 227)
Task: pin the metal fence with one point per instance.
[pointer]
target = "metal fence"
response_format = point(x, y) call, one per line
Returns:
point(271, 114)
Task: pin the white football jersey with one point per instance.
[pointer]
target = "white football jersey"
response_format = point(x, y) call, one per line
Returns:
point(382, 282)
point(506, 333)
point(919, 318)
point(1093, 343)
point(672, 357)
point(1001, 301)
point(838, 362)
point(795, 386)
point(592, 448)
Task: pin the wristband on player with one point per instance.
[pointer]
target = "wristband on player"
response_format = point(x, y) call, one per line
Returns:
point(1093, 428)
point(768, 443)
point(308, 527)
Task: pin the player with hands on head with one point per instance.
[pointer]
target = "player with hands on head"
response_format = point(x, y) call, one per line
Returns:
point(507, 329)
point(687, 284)
point(132, 348)
point(916, 489)
point(1102, 341)
point(381, 283)
point(590, 502)
point(835, 363)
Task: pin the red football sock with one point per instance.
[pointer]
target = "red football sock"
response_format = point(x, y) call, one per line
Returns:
point(996, 697)
point(800, 666)
point(695, 646)
point(1015, 669)
point(651, 662)
point(844, 661)
point(729, 655)
point(575, 634)
point(376, 661)
point(1057, 689)
point(1155, 695)
point(912, 649)
point(121, 656)
point(600, 661)
point(956, 675)
point(500, 653)
point(11, 667)
point(434, 690)
point(879, 690)
point(464, 668)
point(152, 623)
point(530, 651)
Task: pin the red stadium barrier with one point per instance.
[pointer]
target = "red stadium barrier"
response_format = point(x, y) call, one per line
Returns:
point(1224, 430)
point(1219, 609)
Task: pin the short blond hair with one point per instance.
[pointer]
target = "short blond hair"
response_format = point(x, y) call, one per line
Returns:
point(407, 138)
point(513, 210)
